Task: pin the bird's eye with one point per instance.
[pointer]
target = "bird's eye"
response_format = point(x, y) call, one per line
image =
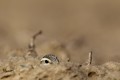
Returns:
point(46, 61)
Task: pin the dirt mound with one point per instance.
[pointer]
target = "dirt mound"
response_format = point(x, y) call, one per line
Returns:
point(30, 68)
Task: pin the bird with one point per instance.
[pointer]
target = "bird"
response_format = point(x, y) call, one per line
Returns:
point(49, 59)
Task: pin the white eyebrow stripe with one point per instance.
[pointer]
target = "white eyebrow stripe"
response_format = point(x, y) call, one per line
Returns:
point(45, 59)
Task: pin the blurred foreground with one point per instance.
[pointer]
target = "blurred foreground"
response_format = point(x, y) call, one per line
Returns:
point(29, 68)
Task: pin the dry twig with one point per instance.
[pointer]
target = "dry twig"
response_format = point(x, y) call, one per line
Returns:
point(90, 58)
point(31, 47)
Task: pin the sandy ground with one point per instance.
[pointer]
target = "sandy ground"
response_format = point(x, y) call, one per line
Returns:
point(31, 68)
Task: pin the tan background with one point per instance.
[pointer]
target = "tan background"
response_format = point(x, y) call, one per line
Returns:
point(81, 25)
